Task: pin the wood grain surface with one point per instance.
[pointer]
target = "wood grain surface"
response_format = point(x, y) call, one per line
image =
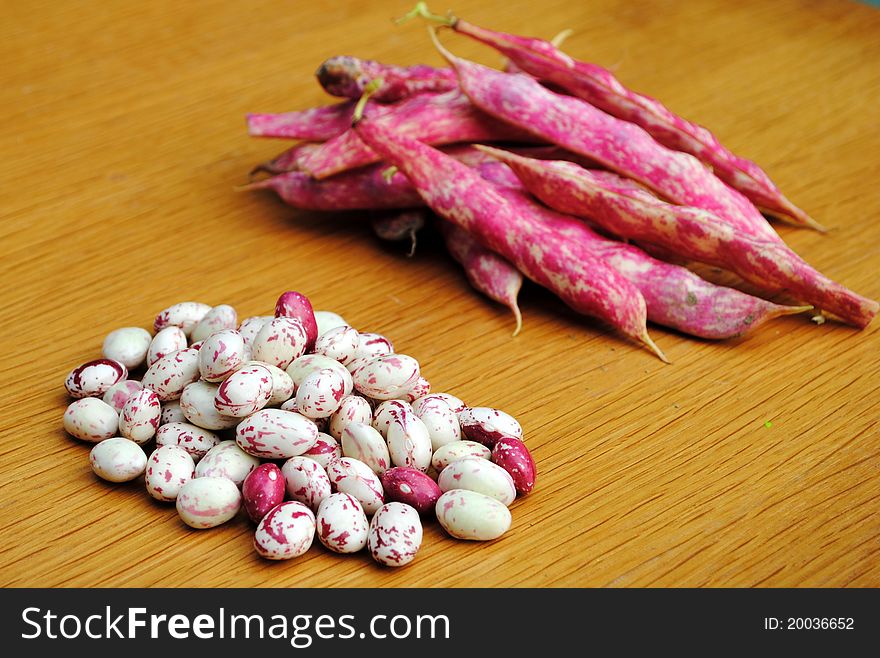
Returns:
point(752, 462)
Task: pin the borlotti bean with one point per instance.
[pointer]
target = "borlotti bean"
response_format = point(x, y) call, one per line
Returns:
point(286, 532)
point(282, 384)
point(320, 393)
point(208, 502)
point(441, 422)
point(128, 346)
point(221, 354)
point(167, 341)
point(409, 485)
point(218, 318)
point(386, 411)
point(194, 440)
point(480, 475)
point(292, 304)
point(171, 413)
point(470, 515)
point(305, 365)
point(197, 404)
point(372, 345)
point(250, 327)
point(168, 469)
point(342, 524)
point(421, 388)
point(118, 394)
point(325, 450)
point(340, 343)
point(93, 378)
point(262, 489)
point(445, 455)
point(395, 535)
point(387, 377)
point(514, 457)
point(409, 443)
point(185, 315)
point(306, 481)
point(227, 460)
point(280, 341)
point(245, 391)
point(352, 409)
point(454, 403)
point(327, 320)
point(91, 419)
point(357, 363)
point(118, 460)
point(140, 416)
point(488, 426)
point(354, 477)
point(362, 442)
point(276, 434)
point(172, 373)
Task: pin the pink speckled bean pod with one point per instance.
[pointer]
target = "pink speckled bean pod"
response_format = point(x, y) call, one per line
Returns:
point(395, 534)
point(430, 118)
point(461, 195)
point(347, 76)
point(412, 487)
point(514, 457)
point(486, 271)
point(293, 304)
point(398, 226)
point(286, 532)
point(316, 124)
point(342, 525)
point(93, 378)
point(287, 160)
point(262, 489)
point(624, 208)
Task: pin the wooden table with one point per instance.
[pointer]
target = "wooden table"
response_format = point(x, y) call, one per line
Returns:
point(749, 462)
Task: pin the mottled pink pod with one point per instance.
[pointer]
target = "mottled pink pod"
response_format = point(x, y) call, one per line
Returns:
point(354, 477)
point(400, 225)
point(195, 440)
point(227, 460)
point(480, 475)
point(412, 487)
point(91, 419)
point(456, 450)
point(352, 409)
point(292, 304)
point(128, 346)
point(348, 76)
point(362, 442)
point(217, 319)
point(171, 413)
point(371, 345)
point(207, 502)
point(286, 532)
point(221, 354)
point(197, 404)
point(320, 393)
point(420, 389)
point(455, 404)
point(441, 421)
point(471, 515)
point(280, 341)
point(395, 535)
point(185, 315)
point(251, 326)
point(387, 377)
point(117, 394)
point(140, 416)
point(93, 378)
point(118, 460)
point(276, 434)
point(316, 124)
point(167, 341)
point(168, 469)
point(514, 457)
point(340, 344)
point(306, 481)
point(409, 442)
point(245, 391)
point(342, 525)
point(386, 412)
point(488, 426)
point(325, 450)
point(262, 490)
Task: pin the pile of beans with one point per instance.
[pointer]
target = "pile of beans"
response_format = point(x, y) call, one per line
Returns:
point(308, 425)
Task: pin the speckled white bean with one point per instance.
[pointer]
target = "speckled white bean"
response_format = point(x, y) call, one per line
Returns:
point(352, 409)
point(140, 415)
point(221, 354)
point(286, 532)
point(480, 475)
point(127, 345)
point(282, 384)
point(395, 534)
point(387, 377)
point(354, 477)
point(208, 502)
point(357, 363)
point(227, 460)
point(168, 469)
point(171, 413)
point(305, 365)
point(386, 411)
point(340, 343)
point(409, 442)
point(217, 319)
point(251, 326)
point(441, 421)
point(371, 345)
point(185, 315)
point(118, 460)
point(327, 320)
point(117, 394)
point(320, 393)
point(306, 481)
point(197, 404)
point(172, 373)
point(420, 389)
point(245, 391)
point(167, 341)
point(91, 419)
point(470, 515)
point(362, 442)
point(325, 450)
point(280, 341)
point(195, 440)
point(93, 378)
point(488, 426)
point(445, 455)
point(342, 525)
point(454, 403)
point(276, 434)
